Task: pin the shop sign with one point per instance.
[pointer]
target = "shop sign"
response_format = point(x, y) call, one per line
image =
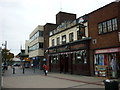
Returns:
point(111, 50)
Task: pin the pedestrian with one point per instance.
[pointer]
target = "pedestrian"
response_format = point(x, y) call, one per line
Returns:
point(45, 68)
point(13, 69)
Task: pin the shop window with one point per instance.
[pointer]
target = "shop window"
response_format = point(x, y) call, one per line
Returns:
point(105, 65)
point(71, 37)
point(54, 59)
point(84, 57)
point(78, 57)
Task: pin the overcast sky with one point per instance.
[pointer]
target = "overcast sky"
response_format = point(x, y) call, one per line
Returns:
point(18, 18)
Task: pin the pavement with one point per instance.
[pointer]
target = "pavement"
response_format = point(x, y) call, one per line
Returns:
point(36, 79)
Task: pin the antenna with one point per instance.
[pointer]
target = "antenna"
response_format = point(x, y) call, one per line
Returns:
point(60, 5)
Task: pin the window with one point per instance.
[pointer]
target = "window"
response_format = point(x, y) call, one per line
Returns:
point(40, 45)
point(63, 39)
point(41, 33)
point(104, 27)
point(54, 59)
point(58, 41)
point(36, 35)
point(36, 46)
point(114, 23)
point(100, 28)
point(84, 57)
point(71, 37)
point(107, 26)
point(53, 42)
point(81, 57)
point(78, 57)
point(78, 35)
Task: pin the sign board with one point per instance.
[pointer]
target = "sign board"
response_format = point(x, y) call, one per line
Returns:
point(110, 50)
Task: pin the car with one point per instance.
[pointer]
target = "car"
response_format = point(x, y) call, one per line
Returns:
point(16, 64)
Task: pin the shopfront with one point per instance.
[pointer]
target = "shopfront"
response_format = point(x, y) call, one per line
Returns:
point(70, 58)
point(107, 62)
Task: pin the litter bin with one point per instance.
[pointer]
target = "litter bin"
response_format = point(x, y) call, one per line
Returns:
point(111, 84)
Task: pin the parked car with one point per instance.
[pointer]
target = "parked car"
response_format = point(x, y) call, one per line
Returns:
point(16, 64)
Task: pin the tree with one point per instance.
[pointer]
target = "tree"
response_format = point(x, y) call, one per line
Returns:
point(7, 55)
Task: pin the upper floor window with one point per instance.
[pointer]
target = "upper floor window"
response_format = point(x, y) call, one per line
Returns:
point(53, 42)
point(36, 46)
point(63, 39)
point(36, 35)
point(41, 33)
point(114, 23)
point(58, 40)
point(71, 37)
point(78, 35)
point(107, 26)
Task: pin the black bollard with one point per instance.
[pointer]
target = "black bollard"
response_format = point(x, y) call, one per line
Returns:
point(23, 70)
point(13, 70)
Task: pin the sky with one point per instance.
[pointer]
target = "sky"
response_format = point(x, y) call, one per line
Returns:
point(18, 18)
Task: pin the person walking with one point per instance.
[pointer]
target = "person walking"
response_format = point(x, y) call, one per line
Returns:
point(45, 68)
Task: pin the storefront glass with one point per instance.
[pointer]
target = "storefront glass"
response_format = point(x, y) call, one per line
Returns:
point(80, 57)
point(54, 59)
point(103, 62)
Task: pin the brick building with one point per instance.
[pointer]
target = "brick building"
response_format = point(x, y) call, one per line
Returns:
point(88, 45)
point(104, 28)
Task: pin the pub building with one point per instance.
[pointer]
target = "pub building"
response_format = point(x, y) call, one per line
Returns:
point(104, 28)
point(69, 47)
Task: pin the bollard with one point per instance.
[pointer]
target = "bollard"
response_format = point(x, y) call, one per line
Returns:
point(23, 70)
point(13, 70)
